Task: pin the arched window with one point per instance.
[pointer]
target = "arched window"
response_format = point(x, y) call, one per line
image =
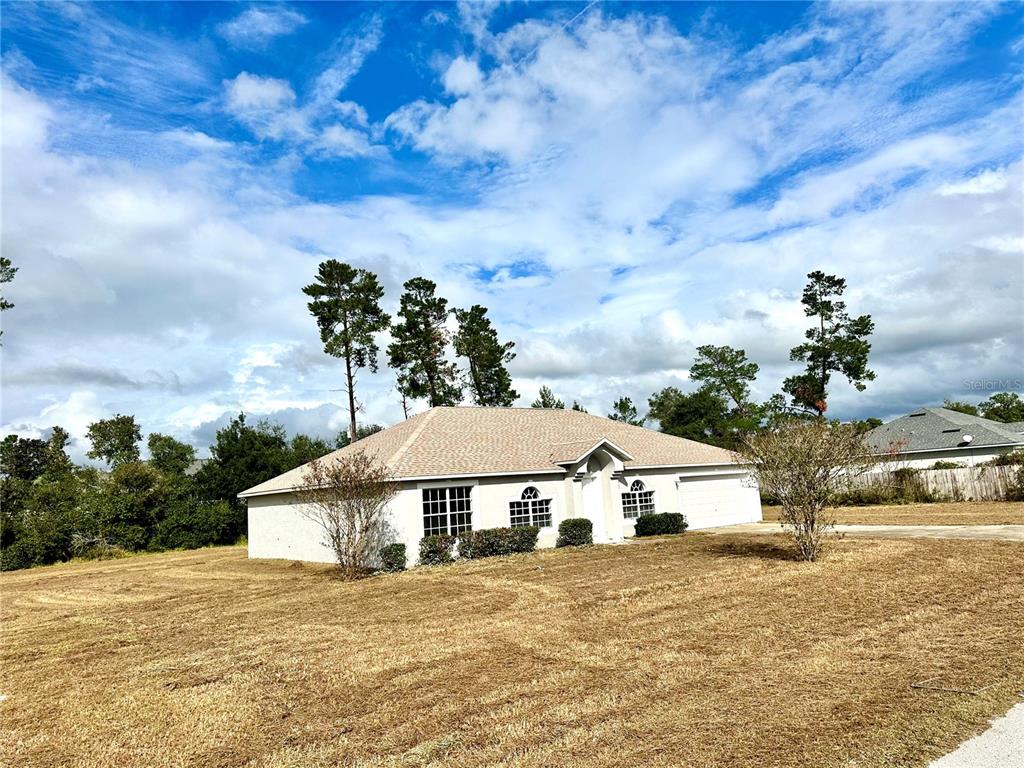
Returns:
point(530, 509)
point(637, 501)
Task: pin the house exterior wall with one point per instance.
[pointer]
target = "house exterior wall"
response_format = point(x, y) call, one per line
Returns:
point(708, 496)
point(967, 456)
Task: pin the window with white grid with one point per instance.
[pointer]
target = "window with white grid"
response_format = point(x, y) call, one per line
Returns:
point(637, 501)
point(447, 510)
point(530, 509)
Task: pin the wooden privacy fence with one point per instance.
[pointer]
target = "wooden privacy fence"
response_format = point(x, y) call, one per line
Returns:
point(982, 483)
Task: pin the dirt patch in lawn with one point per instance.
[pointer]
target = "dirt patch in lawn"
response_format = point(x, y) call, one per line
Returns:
point(695, 650)
point(948, 513)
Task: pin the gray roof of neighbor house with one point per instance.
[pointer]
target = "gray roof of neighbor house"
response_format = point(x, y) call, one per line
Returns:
point(468, 440)
point(935, 429)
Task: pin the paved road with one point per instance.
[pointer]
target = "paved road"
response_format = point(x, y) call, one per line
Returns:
point(1001, 746)
point(999, 532)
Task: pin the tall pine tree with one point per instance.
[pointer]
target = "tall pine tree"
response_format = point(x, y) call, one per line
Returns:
point(477, 341)
point(547, 399)
point(420, 342)
point(346, 305)
point(837, 344)
point(725, 372)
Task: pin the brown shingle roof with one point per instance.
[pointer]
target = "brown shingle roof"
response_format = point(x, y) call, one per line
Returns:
point(467, 440)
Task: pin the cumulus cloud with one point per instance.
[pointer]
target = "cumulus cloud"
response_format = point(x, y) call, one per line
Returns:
point(256, 27)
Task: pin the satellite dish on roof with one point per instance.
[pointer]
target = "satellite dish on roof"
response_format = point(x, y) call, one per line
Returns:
point(968, 438)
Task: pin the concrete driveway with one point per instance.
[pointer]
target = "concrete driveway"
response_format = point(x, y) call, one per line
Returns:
point(982, 532)
point(1001, 746)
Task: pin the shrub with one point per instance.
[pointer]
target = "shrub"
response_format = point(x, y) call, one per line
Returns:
point(575, 532)
point(489, 542)
point(436, 549)
point(392, 557)
point(946, 465)
point(190, 524)
point(661, 524)
point(1015, 490)
point(1011, 459)
point(96, 548)
point(524, 538)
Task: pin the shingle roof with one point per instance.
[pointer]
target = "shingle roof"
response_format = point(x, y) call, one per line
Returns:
point(467, 440)
point(931, 429)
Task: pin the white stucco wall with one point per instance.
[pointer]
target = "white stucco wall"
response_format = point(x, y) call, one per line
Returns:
point(966, 456)
point(708, 496)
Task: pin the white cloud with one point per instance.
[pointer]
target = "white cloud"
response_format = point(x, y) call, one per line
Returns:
point(322, 122)
point(256, 27)
point(463, 76)
point(247, 93)
point(604, 232)
point(339, 141)
point(984, 183)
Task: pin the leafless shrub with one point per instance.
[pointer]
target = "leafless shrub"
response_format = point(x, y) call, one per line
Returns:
point(95, 547)
point(804, 464)
point(348, 499)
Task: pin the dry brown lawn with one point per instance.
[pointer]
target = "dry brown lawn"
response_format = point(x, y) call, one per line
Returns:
point(951, 513)
point(687, 651)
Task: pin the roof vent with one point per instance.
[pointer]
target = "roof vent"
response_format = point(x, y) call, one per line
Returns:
point(918, 413)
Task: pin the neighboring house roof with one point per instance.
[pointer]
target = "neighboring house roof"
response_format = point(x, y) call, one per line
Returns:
point(468, 440)
point(937, 429)
point(192, 469)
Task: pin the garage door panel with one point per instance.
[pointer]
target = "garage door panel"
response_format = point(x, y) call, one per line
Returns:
point(711, 502)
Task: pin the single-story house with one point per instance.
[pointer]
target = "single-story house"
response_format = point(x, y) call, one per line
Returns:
point(928, 435)
point(462, 468)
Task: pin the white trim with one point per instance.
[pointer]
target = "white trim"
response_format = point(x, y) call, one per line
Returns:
point(446, 484)
point(685, 466)
point(724, 473)
point(603, 442)
point(439, 478)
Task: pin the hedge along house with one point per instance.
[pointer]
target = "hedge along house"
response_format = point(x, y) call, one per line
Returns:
point(462, 468)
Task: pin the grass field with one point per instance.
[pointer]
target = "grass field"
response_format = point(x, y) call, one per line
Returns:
point(952, 513)
point(696, 650)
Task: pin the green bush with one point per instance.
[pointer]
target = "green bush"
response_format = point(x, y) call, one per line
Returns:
point(490, 542)
point(1012, 459)
point(190, 524)
point(1015, 491)
point(524, 538)
point(575, 532)
point(660, 524)
point(392, 558)
point(946, 465)
point(436, 549)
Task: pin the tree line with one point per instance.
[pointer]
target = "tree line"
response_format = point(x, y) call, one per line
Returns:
point(52, 509)
point(345, 301)
point(721, 410)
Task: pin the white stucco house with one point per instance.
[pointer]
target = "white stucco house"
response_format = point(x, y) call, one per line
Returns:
point(462, 468)
point(928, 435)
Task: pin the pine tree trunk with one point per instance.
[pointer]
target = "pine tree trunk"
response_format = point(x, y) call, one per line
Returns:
point(350, 385)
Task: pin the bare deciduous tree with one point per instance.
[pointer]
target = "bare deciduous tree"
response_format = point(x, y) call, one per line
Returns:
point(804, 464)
point(348, 499)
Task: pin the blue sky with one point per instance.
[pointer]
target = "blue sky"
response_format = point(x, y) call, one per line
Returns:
point(619, 183)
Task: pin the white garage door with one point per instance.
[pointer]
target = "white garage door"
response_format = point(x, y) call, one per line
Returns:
point(709, 502)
